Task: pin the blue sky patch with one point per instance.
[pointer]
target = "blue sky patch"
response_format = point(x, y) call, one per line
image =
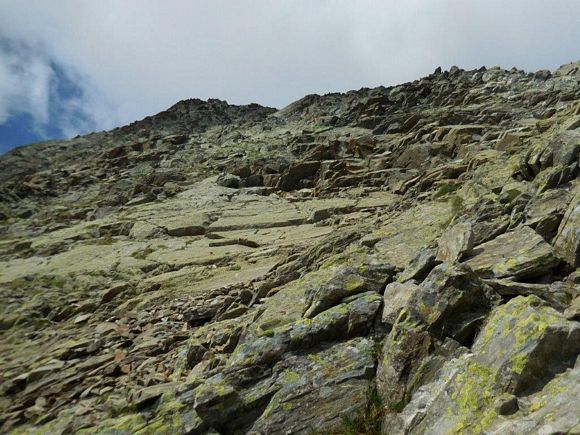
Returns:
point(41, 98)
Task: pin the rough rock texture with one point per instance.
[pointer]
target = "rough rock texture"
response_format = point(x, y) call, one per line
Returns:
point(518, 253)
point(523, 346)
point(395, 260)
point(455, 243)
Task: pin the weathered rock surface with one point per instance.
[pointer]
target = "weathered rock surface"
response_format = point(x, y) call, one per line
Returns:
point(567, 241)
point(395, 260)
point(520, 253)
point(522, 360)
point(450, 304)
point(455, 243)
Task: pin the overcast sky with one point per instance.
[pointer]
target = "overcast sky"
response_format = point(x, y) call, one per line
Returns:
point(72, 66)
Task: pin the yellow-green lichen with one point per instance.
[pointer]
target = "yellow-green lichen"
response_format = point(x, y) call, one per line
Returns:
point(354, 283)
point(127, 424)
point(473, 398)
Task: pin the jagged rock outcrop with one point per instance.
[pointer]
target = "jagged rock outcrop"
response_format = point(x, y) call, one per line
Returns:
point(388, 260)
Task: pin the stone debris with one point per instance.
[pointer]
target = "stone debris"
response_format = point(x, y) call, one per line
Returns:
point(403, 259)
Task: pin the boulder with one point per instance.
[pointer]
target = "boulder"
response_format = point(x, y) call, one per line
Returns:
point(229, 180)
point(553, 294)
point(554, 409)
point(561, 152)
point(348, 319)
point(513, 190)
point(544, 212)
point(555, 176)
point(455, 243)
point(509, 143)
point(567, 241)
point(463, 134)
point(519, 253)
point(316, 392)
point(396, 298)
point(345, 282)
point(450, 303)
point(413, 156)
point(113, 291)
point(539, 344)
point(186, 225)
point(296, 173)
point(420, 266)
point(143, 230)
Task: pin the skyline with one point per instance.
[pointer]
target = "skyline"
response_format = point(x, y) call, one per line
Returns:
point(71, 67)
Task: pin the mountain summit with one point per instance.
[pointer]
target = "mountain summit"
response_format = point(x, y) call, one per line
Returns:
point(400, 260)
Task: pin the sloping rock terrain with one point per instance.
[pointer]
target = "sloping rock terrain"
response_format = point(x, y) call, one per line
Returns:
point(399, 260)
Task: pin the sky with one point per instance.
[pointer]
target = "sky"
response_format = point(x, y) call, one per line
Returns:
point(69, 67)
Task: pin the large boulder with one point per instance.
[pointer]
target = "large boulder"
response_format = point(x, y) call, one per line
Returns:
point(450, 304)
point(519, 253)
point(317, 392)
point(451, 301)
point(523, 345)
point(567, 241)
point(420, 266)
point(544, 212)
point(556, 160)
point(345, 282)
point(355, 315)
point(554, 409)
point(396, 298)
point(236, 396)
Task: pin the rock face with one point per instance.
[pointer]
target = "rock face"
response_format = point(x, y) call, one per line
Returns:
point(389, 260)
point(567, 242)
point(516, 363)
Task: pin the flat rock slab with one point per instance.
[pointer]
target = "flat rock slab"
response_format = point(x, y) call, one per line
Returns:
point(520, 253)
point(402, 237)
point(188, 225)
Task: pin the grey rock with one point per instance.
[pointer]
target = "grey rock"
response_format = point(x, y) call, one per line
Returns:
point(229, 180)
point(344, 283)
point(500, 364)
point(420, 266)
point(450, 303)
point(318, 391)
point(455, 243)
point(550, 293)
point(396, 298)
point(544, 213)
point(520, 253)
point(567, 241)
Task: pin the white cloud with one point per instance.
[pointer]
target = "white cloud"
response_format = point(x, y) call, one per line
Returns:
point(25, 84)
point(55, 96)
point(144, 55)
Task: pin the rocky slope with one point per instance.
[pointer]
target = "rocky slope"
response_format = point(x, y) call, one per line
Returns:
point(390, 260)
